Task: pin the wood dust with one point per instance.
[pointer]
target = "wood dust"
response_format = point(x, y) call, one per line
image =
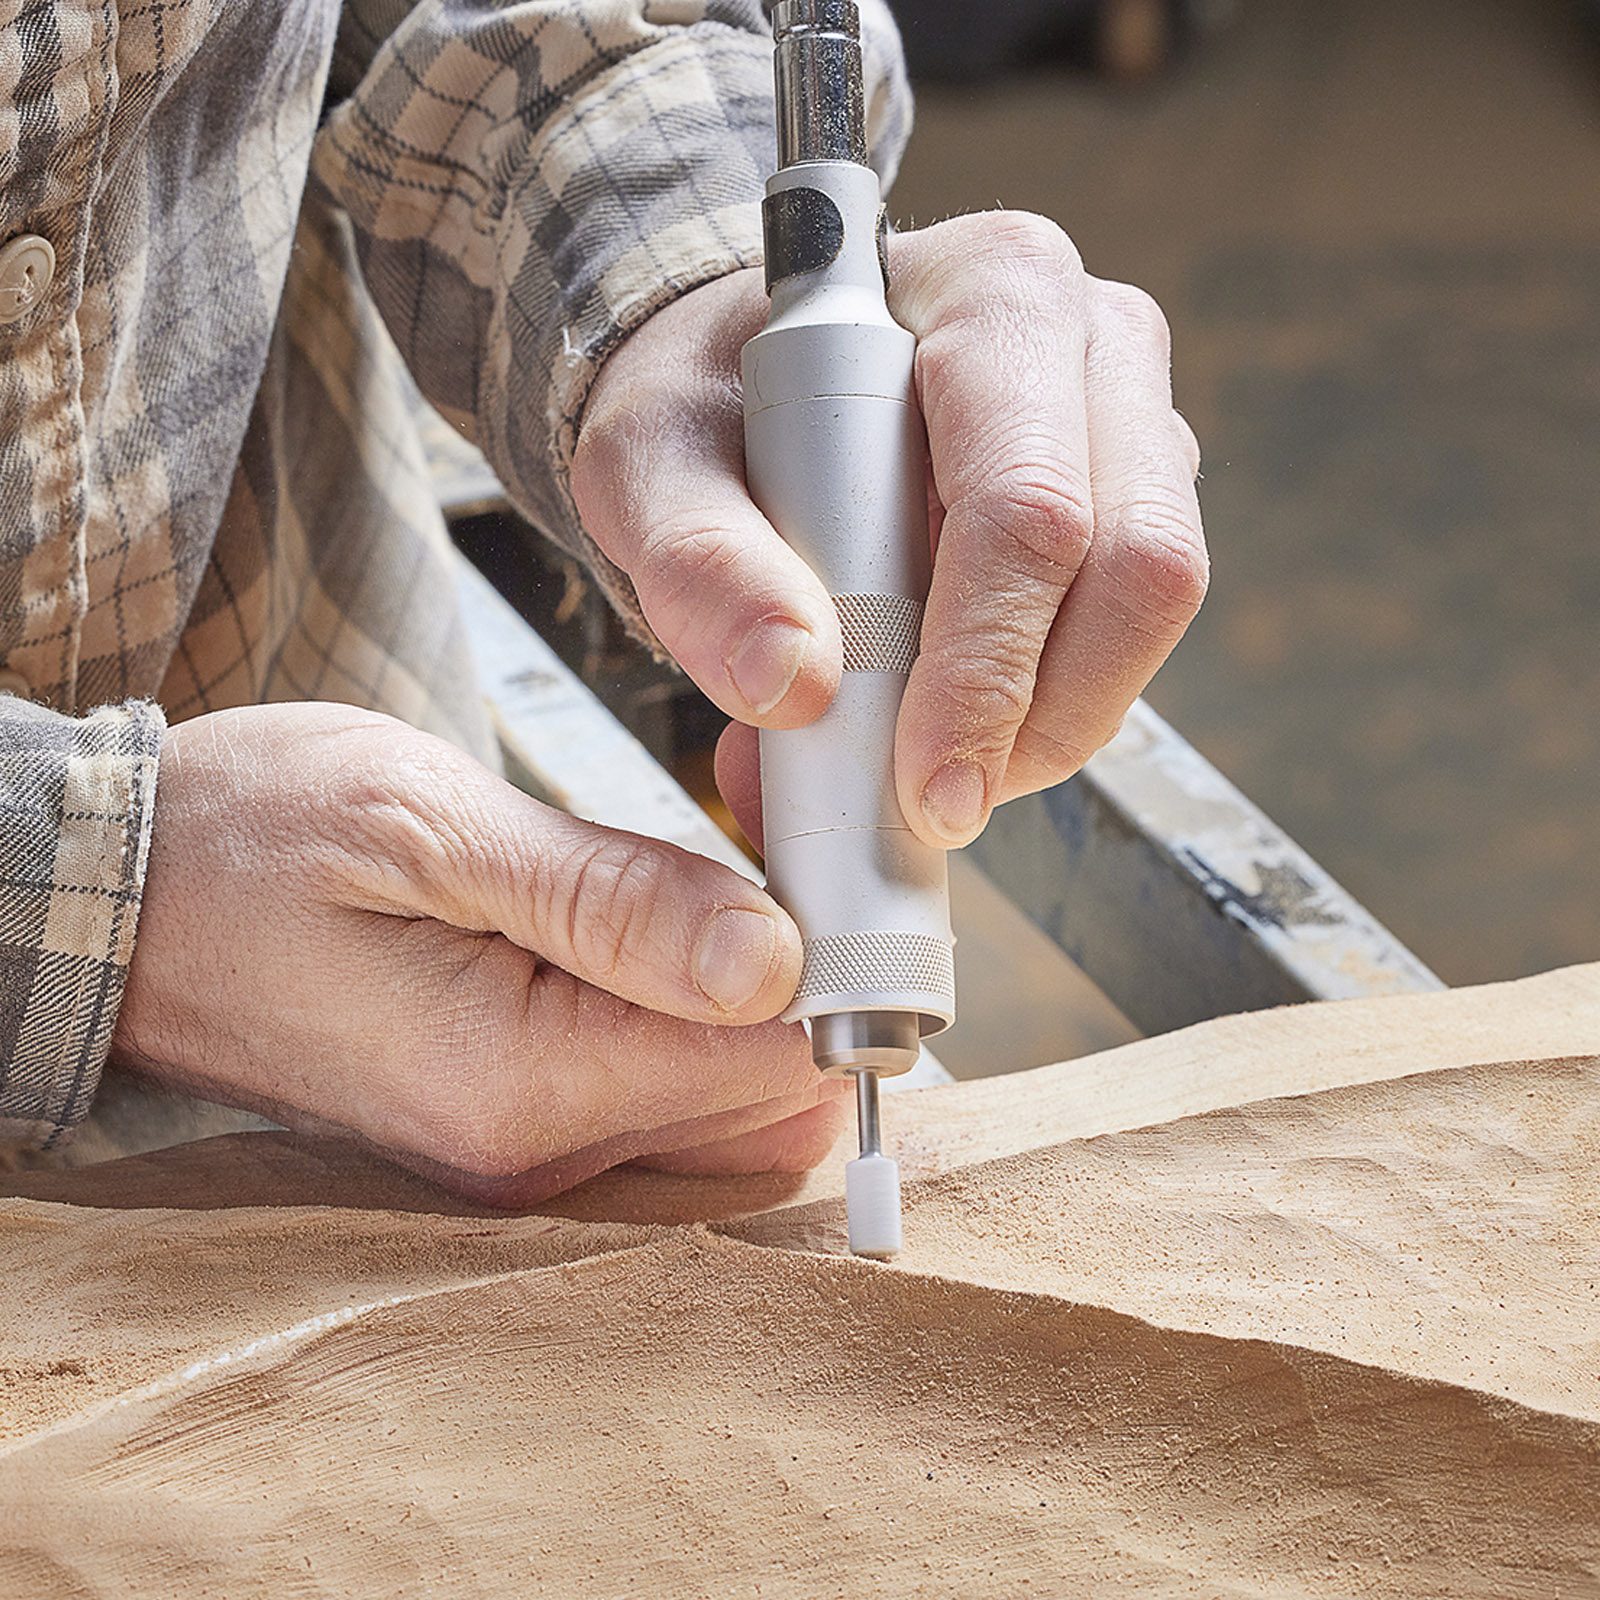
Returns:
point(1302, 1303)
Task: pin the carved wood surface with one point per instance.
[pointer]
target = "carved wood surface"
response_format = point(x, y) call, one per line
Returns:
point(1299, 1302)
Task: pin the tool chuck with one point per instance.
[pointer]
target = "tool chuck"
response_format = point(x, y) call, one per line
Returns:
point(836, 458)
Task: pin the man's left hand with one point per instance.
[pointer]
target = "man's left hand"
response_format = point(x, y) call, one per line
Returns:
point(1069, 554)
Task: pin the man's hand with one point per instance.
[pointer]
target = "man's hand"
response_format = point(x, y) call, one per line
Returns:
point(350, 924)
point(1069, 553)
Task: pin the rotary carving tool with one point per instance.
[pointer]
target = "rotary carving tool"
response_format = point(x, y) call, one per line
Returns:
point(835, 456)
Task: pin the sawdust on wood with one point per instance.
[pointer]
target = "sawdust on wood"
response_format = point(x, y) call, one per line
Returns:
point(1297, 1304)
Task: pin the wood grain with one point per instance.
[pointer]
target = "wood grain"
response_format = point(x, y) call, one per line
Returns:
point(1305, 1303)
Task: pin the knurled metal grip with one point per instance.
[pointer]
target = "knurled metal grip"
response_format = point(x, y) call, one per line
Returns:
point(881, 632)
point(909, 961)
point(835, 456)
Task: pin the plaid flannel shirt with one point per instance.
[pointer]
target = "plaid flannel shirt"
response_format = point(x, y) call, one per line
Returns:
point(213, 493)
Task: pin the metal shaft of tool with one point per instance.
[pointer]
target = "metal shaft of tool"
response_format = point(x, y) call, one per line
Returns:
point(817, 74)
point(867, 1111)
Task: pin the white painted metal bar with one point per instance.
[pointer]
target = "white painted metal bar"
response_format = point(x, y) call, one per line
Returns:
point(1180, 898)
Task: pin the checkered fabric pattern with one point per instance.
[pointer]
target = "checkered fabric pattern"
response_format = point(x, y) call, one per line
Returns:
point(586, 175)
point(67, 914)
point(211, 491)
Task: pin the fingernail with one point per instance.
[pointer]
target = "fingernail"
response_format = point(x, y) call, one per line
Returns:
point(768, 661)
point(735, 957)
point(953, 801)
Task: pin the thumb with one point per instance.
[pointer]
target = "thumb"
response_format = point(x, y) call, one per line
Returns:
point(642, 919)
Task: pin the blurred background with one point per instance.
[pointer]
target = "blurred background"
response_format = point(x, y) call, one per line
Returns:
point(1375, 229)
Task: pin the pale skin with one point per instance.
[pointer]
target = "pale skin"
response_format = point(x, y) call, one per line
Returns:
point(352, 925)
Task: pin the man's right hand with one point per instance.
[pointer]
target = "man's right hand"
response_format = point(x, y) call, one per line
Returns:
point(350, 924)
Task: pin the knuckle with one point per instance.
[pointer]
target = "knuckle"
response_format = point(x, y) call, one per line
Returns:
point(613, 887)
point(382, 812)
point(1057, 752)
point(991, 687)
point(944, 354)
point(397, 831)
point(608, 444)
point(1013, 266)
point(1165, 570)
point(1042, 512)
point(1025, 236)
point(1139, 312)
point(685, 562)
point(627, 448)
point(1188, 443)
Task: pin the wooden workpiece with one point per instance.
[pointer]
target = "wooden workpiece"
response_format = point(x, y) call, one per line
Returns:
point(1300, 1302)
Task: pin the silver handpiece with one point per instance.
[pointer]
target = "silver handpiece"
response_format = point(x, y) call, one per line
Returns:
point(835, 456)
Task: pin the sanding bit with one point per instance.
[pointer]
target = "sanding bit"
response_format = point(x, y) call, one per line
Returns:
point(836, 457)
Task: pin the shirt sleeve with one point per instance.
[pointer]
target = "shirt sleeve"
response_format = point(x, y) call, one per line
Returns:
point(365, 26)
point(76, 798)
point(530, 180)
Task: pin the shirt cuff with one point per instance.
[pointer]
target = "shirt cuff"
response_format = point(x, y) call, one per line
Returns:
point(642, 189)
point(529, 182)
point(689, 124)
point(76, 800)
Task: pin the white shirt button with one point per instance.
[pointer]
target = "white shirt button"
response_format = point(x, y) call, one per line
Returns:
point(27, 264)
point(12, 682)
